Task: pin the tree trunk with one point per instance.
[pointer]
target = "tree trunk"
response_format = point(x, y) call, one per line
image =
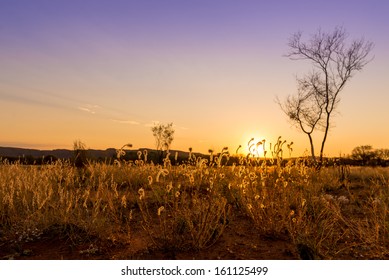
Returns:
point(324, 138)
point(312, 147)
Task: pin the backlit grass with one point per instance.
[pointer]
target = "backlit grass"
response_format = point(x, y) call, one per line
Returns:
point(329, 213)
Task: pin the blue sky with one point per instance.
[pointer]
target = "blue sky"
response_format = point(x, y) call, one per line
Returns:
point(104, 71)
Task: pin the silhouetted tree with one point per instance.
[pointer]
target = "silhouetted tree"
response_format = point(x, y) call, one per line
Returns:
point(164, 136)
point(363, 153)
point(383, 154)
point(334, 63)
point(80, 153)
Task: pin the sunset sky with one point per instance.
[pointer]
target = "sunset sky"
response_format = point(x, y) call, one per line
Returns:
point(103, 71)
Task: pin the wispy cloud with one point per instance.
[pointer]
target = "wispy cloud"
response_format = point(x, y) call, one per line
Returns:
point(89, 108)
point(30, 101)
point(126, 122)
point(93, 106)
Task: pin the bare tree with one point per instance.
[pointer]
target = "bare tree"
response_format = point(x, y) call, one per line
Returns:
point(334, 63)
point(164, 135)
point(305, 110)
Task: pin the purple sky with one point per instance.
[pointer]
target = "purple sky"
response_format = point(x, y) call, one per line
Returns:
point(104, 71)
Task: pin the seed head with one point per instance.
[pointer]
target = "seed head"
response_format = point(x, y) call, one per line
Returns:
point(141, 193)
point(169, 187)
point(145, 155)
point(124, 201)
point(160, 209)
point(191, 178)
point(162, 172)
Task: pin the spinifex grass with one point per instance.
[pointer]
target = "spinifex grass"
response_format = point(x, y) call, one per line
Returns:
point(189, 214)
point(59, 193)
point(329, 213)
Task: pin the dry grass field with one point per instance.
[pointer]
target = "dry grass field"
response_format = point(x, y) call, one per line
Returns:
point(201, 209)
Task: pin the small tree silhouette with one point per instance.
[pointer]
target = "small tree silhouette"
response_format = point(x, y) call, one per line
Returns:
point(164, 136)
point(80, 154)
point(364, 153)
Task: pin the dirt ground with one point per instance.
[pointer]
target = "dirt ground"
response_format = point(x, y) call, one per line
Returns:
point(240, 241)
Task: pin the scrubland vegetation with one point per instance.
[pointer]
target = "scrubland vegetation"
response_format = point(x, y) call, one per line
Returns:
point(335, 212)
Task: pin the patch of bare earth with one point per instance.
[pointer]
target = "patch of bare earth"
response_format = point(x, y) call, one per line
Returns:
point(239, 241)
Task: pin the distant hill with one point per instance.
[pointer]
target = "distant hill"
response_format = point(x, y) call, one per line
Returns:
point(34, 156)
point(31, 154)
point(58, 153)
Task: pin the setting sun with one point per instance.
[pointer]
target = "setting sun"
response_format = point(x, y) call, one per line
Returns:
point(255, 146)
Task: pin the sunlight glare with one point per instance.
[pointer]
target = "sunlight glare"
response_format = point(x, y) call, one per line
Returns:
point(256, 146)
